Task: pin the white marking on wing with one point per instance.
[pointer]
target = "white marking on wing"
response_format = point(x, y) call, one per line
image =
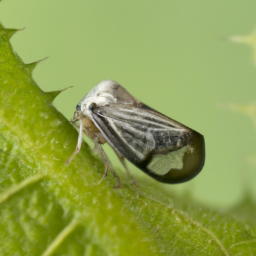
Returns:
point(141, 155)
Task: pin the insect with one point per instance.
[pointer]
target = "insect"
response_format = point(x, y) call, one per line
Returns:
point(163, 148)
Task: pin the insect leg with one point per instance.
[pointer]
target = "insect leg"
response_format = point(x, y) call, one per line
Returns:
point(107, 164)
point(122, 160)
point(142, 193)
point(79, 143)
point(104, 174)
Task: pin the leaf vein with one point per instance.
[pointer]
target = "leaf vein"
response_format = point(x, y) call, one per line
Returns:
point(18, 187)
point(61, 236)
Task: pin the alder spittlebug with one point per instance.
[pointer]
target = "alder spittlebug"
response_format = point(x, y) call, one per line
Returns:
point(163, 148)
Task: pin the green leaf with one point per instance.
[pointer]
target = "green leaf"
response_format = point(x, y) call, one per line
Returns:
point(48, 207)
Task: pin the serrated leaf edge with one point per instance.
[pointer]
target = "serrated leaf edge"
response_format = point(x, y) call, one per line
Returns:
point(53, 94)
point(31, 66)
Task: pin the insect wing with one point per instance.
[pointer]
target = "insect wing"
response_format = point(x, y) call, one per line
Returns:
point(161, 147)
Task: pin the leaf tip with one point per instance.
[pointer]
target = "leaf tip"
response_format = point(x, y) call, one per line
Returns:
point(52, 95)
point(11, 31)
point(31, 66)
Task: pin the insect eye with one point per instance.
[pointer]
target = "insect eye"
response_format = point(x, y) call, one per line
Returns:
point(92, 106)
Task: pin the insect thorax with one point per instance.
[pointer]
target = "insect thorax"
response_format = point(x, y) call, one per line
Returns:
point(92, 131)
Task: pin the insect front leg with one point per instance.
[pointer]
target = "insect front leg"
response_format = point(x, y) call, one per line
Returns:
point(107, 164)
point(79, 143)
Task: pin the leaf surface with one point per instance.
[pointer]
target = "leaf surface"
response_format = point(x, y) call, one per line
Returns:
point(50, 208)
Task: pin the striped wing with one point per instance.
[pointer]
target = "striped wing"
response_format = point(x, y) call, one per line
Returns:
point(143, 136)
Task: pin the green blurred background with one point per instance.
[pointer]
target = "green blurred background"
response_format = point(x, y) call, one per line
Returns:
point(169, 54)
